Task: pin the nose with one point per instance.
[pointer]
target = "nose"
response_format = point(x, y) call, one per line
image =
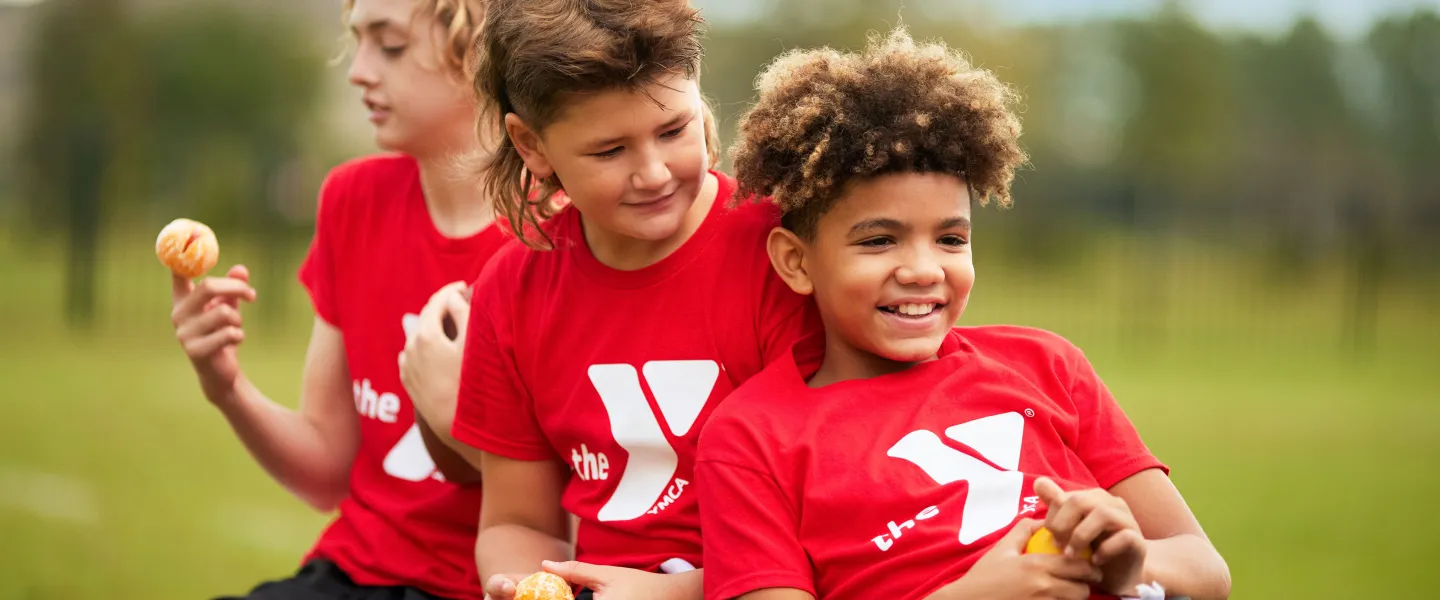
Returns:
point(920, 268)
point(652, 173)
point(362, 70)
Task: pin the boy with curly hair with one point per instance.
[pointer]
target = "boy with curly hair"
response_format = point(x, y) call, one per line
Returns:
point(896, 456)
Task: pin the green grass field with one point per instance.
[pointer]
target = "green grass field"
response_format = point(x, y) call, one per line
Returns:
point(1313, 468)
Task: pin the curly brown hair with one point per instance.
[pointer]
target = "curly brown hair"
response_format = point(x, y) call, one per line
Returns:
point(826, 118)
point(536, 54)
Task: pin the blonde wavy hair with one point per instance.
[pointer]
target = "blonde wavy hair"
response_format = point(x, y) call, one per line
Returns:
point(462, 21)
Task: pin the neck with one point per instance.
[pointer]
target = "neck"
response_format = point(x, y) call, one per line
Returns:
point(626, 253)
point(454, 201)
point(844, 362)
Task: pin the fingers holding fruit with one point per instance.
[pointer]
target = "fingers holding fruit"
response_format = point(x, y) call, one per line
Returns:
point(1080, 520)
point(543, 586)
point(206, 315)
point(1096, 525)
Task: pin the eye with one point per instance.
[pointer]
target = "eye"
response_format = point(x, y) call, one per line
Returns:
point(392, 51)
point(674, 133)
point(953, 241)
point(611, 153)
point(876, 242)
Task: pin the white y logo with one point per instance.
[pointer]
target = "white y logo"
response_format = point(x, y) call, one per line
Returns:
point(409, 459)
point(994, 497)
point(681, 389)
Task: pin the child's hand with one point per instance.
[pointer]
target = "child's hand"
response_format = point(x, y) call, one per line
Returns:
point(502, 587)
point(1007, 573)
point(430, 362)
point(207, 324)
point(616, 583)
point(1097, 519)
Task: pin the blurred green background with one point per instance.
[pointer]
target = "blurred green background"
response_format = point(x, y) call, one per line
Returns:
point(1230, 209)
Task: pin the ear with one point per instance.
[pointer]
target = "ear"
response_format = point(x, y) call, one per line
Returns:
point(527, 143)
point(787, 256)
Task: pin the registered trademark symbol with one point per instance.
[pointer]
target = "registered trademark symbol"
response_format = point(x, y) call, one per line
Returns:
point(1029, 412)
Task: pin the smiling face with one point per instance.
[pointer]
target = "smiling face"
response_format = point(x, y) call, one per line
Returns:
point(890, 267)
point(418, 106)
point(633, 162)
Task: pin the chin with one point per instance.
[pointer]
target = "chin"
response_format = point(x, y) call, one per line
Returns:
point(390, 142)
point(386, 144)
point(910, 350)
point(656, 229)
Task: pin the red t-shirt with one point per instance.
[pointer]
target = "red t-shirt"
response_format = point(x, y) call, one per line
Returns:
point(375, 260)
point(614, 373)
point(894, 486)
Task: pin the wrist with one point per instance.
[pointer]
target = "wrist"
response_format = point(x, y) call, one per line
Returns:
point(1136, 586)
point(226, 396)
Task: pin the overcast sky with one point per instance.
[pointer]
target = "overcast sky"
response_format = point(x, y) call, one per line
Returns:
point(1344, 17)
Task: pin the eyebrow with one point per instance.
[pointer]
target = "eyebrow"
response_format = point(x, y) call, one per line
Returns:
point(375, 26)
point(666, 126)
point(869, 225)
point(884, 224)
point(956, 223)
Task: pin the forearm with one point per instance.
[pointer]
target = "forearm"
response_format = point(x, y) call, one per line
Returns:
point(955, 590)
point(688, 585)
point(948, 592)
point(443, 450)
point(435, 425)
point(516, 550)
point(1187, 565)
point(287, 445)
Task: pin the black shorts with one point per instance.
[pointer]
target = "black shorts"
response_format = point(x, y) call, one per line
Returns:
point(321, 579)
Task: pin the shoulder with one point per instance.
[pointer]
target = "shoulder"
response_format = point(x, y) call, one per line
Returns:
point(1015, 337)
point(746, 215)
point(1036, 353)
point(516, 268)
point(497, 282)
point(382, 170)
point(357, 183)
point(756, 417)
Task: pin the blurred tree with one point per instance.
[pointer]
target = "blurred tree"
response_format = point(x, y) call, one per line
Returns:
point(1179, 133)
point(220, 77)
point(233, 92)
point(1302, 144)
point(78, 94)
point(1408, 52)
point(1172, 156)
point(201, 109)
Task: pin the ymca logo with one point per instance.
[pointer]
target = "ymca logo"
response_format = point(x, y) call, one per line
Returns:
point(681, 389)
point(409, 460)
point(994, 498)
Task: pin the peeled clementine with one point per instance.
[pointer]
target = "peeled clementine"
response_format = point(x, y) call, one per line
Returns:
point(188, 248)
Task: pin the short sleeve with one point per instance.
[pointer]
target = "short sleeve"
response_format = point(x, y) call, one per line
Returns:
point(493, 412)
point(750, 526)
point(317, 271)
point(1108, 443)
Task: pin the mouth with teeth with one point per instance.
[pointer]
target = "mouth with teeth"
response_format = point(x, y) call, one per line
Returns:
point(911, 310)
